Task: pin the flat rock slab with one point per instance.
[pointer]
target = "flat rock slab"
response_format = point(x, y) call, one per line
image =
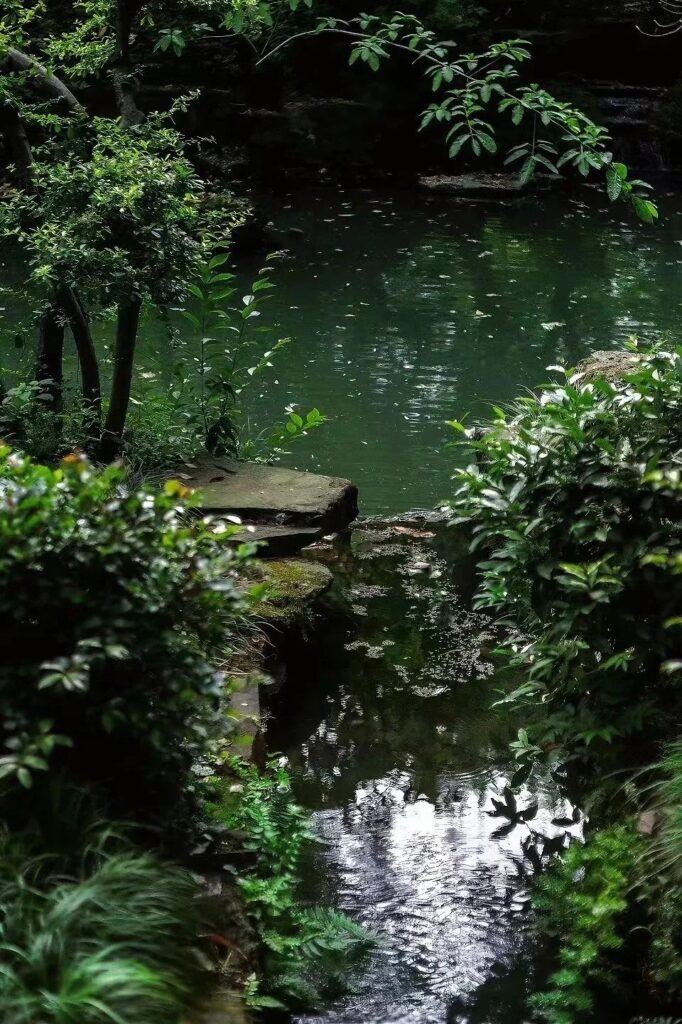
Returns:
point(278, 541)
point(270, 494)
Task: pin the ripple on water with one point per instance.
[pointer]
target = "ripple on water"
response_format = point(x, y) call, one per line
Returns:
point(443, 896)
point(399, 756)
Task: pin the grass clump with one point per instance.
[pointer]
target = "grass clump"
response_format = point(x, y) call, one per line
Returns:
point(108, 939)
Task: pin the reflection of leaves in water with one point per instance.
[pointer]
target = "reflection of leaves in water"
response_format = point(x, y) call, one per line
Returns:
point(503, 830)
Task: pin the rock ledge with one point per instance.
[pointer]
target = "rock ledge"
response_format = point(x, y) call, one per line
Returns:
point(261, 494)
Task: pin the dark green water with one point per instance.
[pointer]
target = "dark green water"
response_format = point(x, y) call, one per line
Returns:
point(407, 312)
point(386, 720)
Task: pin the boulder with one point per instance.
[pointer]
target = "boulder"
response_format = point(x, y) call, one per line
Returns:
point(609, 364)
point(262, 494)
point(293, 587)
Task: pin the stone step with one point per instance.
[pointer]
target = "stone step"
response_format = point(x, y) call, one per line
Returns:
point(269, 494)
point(278, 541)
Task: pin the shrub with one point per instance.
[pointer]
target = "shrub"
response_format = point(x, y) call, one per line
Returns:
point(310, 951)
point(112, 942)
point(112, 604)
point(576, 500)
point(583, 900)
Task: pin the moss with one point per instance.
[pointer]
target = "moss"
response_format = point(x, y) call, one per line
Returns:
point(613, 366)
point(293, 585)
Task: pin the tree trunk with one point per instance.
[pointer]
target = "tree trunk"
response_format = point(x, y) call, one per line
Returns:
point(126, 337)
point(87, 357)
point(122, 73)
point(14, 129)
point(49, 364)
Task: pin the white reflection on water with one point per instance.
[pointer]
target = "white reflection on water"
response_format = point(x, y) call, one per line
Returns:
point(445, 897)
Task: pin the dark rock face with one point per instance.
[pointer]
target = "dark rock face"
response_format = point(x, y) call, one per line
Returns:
point(279, 541)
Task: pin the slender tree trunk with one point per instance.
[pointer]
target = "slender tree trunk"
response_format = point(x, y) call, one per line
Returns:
point(87, 357)
point(127, 324)
point(123, 72)
point(14, 129)
point(49, 364)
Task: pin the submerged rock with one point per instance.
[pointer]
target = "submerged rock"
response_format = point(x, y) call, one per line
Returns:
point(294, 584)
point(467, 183)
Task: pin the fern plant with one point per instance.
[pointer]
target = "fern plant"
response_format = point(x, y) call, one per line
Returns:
point(310, 950)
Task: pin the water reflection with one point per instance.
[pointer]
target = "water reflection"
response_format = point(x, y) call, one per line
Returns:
point(446, 899)
point(394, 747)
point(408, 312)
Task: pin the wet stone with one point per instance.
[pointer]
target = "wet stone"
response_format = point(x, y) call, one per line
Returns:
point(610, 365)
point(269, 494)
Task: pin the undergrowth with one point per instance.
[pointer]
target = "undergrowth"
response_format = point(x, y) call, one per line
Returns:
point(310, 951)
point(582, 901)
point(111, 939)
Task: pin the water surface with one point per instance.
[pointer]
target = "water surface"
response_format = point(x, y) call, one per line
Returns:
point(387, 725)
point(408, 311)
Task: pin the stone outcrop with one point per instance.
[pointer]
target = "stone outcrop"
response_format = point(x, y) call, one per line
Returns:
point(609, 364)
point(271, 496)
point(294, 585)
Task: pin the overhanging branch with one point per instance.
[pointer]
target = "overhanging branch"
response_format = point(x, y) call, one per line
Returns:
point(23, 62)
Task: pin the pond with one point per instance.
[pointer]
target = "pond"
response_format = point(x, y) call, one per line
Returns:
point(407, 310)
point(386, 721)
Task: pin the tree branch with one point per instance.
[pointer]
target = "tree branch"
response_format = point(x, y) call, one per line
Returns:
point(22, 62)
point(121, 72)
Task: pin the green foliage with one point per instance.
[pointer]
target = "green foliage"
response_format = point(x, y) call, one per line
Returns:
point(476, 86)
point(111, 940)
point(270, 444)
point(112, 607)
point(28, 420)
point(665, 954)
point(211, 390)
point(665, 850)
point(115, 211)
point(582, 900)
point(575, 501)
point(310, 951)
point(662, 868)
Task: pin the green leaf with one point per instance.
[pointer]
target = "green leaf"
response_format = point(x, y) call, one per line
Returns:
point(219, 260)
point(488, 141)
point(614, 184)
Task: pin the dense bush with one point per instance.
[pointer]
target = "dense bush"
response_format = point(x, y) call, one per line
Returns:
point(112, 940)
point(111, 607)
point(576, 501)
point(583, 901)
point(310, 951)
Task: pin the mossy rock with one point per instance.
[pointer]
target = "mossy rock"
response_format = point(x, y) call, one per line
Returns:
point(294, 585)
point(611, 365)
